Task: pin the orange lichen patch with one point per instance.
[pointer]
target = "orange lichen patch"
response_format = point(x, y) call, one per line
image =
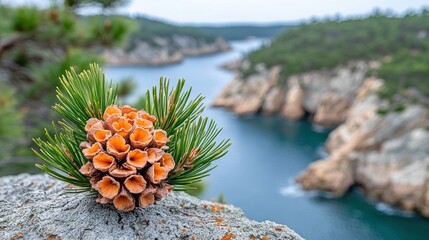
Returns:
point(160, 138)
point(103, 200)
point(135, 183)
point(154, 154)
point(137, 158)
point(147, 197)
point(131, 117)
point(92, 151)
point(117, 146)
point(123, 171)
point(101, 135)
point(103, 162)
point(228, 236)
point(214, 209)
point(264, 238)
point(140, 138)
point(122, 126)
point(147, 116)
point(91, 123)
point(126, 109)
point(156, 173)
point(108, 187)
point(162, 191)
point(112, 110)
point(218, 220)
point(143, 123)
point(124, 201)
point(87, 169)
point(167, 161)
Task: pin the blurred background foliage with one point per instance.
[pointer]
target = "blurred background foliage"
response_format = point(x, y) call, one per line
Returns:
point(36, 47)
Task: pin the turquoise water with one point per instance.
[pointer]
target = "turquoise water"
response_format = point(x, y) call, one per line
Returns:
point(267, 154)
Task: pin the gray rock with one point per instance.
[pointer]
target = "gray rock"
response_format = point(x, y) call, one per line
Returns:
point(36, 207)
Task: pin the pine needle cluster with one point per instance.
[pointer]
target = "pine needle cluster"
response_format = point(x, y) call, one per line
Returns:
point(81, 96)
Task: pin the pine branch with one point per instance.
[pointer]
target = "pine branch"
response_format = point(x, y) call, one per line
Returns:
point(62, 159)
point(81, 97)
point(84, 96)
point(194, 149)
point(172, 107)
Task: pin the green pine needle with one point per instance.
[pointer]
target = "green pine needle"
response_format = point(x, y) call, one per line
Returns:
point(81, 97)
point(172, 107)
point(194, 148)
point(86, 95)
point(177, 115)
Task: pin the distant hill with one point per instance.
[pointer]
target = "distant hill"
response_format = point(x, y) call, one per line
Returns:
point(401, 43)
point(148, 29)
point(153, 42)
point(245, 31)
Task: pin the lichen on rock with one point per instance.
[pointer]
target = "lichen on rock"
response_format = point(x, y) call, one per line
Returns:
point(36, 207)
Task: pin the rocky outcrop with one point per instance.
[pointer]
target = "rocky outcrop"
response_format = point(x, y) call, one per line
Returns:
point(36, 207)
point(293, 105)
point(247, 97)
point(387, 155)
point(163, 51)
point(327, 95)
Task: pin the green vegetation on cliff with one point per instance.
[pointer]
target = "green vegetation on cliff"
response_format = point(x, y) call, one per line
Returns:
point(245, 31)
point(146, 30)
point(328, 43)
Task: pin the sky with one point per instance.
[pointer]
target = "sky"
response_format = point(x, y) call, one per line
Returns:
point(256, 11)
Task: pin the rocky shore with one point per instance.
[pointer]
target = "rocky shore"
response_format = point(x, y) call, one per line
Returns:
point(324, 95)
point(36, 207)
point(163, 51)
point(387, 155)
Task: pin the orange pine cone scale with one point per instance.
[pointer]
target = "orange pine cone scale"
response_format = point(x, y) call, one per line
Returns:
point(127, 164)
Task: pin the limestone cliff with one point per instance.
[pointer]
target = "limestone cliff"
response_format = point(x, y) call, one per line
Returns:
point(163, 51)
point(326, 95)
point(387, 155)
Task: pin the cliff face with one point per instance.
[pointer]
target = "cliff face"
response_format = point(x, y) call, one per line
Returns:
point(387, 155)
point(326, 95)
point(163, 51)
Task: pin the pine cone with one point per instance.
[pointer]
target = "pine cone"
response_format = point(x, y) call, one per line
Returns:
point(127, 164)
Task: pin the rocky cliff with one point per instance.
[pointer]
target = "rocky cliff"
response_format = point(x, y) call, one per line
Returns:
point(36, 207)
point(387, 155)
point(163, 50)
point(325, 95)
